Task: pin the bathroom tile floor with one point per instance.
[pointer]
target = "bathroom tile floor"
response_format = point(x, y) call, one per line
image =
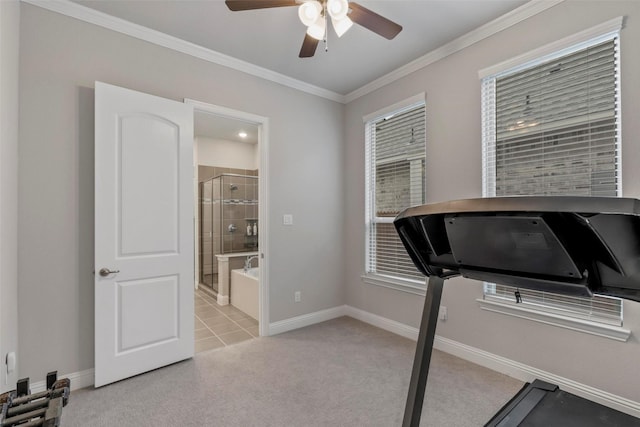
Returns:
point(220, 325)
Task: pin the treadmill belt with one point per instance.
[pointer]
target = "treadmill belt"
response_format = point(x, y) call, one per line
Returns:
point(568, 410)
point(541, 404)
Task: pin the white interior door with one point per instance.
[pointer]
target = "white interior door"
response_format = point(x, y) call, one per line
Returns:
point(143, 232)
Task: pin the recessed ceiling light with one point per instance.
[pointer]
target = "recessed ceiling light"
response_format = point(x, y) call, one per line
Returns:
point(242, 134)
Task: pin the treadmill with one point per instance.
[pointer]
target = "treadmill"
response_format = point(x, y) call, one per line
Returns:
point(569, 245)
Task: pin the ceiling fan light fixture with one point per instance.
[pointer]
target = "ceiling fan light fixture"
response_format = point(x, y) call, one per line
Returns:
point(314, 14)
point(309, 12)
point(317, 29)
point(341, 26)
point(338, 9)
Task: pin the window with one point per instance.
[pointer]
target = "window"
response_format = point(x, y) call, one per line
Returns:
point(551, 127)
point(395, 180)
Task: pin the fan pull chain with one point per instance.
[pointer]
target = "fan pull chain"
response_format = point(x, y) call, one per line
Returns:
point(326, 29)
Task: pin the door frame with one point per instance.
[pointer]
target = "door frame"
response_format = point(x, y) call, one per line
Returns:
point(263, 217)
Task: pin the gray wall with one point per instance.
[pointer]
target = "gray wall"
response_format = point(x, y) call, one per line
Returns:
point(9, 39)
point(316, 176)
point(60, 58)
point(452, 92)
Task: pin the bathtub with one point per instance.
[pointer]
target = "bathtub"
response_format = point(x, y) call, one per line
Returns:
point(244, 291)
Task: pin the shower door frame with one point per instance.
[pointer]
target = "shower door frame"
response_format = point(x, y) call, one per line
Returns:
point(263, 176)
point(217, 204)
point(200, 246)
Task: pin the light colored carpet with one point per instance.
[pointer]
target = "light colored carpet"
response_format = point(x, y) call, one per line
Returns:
point(338, 373)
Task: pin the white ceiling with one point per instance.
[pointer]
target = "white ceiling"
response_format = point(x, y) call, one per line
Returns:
point(271, 38)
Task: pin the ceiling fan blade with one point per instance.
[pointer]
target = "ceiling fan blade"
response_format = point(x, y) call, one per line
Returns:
point(372, 21)
point(239, 5)
point(309, 46)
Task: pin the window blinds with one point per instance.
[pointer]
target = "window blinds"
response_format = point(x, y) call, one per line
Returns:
point(395, 179)
point(556, 127)
point(553, 129)
point(600, 308)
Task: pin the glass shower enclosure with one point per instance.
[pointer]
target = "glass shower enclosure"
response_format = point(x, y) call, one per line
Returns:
point(228, 221)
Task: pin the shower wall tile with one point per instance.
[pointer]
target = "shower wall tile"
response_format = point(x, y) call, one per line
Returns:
point(205, 173)
point(251, 211)
point(236, 263)
point(233, 179)
point(250, 192)
point(222, 215)
point(227, 244)
point(228, 193)
point(238, 244)
point(234, 211)
point(221, 170)
point(240, 193)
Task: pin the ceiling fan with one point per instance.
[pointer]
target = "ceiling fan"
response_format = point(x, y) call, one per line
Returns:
point(315, 13)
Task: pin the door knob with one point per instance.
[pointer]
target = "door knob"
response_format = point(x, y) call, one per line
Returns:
point(104, 272)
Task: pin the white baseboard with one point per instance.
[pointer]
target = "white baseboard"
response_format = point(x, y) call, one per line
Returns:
point(79, 380)
point(383, 323)
point(494, 362)
point(306, 320)
point(86, 378)
point(500, 364)
point(528, 373)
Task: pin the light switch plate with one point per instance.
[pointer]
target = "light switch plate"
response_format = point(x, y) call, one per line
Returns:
point(287, 219)
point(11, 362)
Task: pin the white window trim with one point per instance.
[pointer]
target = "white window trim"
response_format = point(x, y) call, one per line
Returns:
point(383, 112)
point(556, 49)
point(404, 285)
point(617, 333)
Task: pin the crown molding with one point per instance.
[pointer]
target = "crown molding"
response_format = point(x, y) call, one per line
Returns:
point(505, 21)
point(86, 14)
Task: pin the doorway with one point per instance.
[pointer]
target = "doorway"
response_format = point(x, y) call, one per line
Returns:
point(231, 229)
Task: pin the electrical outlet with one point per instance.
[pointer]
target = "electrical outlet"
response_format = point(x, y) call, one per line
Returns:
point(442, 314)
point(297, 297)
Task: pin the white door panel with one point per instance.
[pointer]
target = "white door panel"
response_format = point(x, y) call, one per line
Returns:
point(138, 328)
point(144, 233)
point(149, 224)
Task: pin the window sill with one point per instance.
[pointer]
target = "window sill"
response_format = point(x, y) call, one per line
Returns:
point(607, 331)
point(397, 284)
